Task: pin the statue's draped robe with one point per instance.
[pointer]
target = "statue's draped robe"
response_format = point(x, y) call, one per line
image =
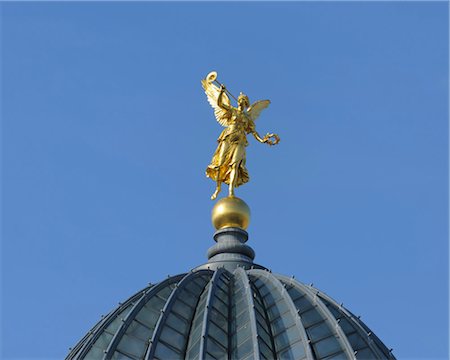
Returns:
point(231, 150)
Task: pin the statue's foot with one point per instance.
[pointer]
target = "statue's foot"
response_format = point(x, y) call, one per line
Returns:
point(214, 196)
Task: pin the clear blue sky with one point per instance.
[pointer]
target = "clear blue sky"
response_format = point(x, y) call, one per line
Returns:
point(107, 132)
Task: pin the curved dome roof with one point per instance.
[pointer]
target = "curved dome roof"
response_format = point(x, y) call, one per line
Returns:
point(222, 314)
point(230, 308)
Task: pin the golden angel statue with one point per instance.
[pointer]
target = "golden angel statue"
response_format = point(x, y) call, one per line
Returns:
point(228, 162)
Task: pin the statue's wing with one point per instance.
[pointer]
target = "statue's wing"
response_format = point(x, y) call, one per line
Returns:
point(255, 109)
point(212, 93)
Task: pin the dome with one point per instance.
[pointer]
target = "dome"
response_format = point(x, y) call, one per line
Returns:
point(222, 314)
point(230, 308)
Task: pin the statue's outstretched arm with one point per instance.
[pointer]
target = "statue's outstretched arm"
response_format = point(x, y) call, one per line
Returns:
point(258, 137)
point(269, 138)
point(220, 102)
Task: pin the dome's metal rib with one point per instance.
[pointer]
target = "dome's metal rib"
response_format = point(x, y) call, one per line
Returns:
point(193, 346)
point(74, 352)
point(162, 348)
point(131, 315)
point(227, 309)
point(378, 348)
point(103, 338)
point(286, 335)
point(249, 344)
point(205, 336)
point(263, 327)
point(375, 339)
point(267, 276)
point(329, 318)
point(357, 339)
point(86, 344)
point(312, 320)
point(135, 340)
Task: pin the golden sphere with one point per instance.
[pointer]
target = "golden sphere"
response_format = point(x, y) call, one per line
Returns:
point(230, 212)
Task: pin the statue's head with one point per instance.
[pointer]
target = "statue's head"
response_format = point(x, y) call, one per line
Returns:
point(243, 100)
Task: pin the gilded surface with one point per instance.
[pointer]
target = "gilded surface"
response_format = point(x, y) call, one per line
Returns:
point(230, 212)
point(228, 162)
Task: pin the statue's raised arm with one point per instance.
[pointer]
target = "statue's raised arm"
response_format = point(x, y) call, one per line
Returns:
point(218, 98)
point(228, 162)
